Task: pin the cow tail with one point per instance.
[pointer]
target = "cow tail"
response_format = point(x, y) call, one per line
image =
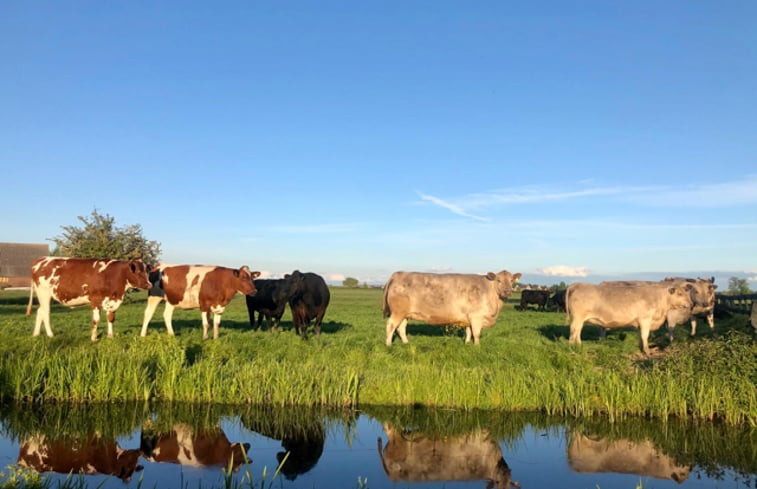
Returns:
point(567, 306)
point(384, 303)
point(31, 299)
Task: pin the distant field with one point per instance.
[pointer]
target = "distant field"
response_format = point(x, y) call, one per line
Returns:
point(523, 363)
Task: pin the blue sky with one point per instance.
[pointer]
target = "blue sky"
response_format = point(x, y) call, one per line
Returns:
point(564, 140)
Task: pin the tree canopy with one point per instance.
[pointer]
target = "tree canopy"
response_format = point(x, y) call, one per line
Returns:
point(738, 286)
point(99, 237)
point(350, 282)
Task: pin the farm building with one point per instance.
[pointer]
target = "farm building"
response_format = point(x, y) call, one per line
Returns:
point(16, 261)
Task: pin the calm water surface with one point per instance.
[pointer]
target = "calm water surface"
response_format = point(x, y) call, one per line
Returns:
point(186, 446)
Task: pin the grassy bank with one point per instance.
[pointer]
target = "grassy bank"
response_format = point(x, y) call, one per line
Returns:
point(524, 363)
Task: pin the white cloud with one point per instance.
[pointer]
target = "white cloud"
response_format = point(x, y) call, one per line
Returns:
point(752, 279)
point(455, 209)
point(335, 277)
point(563, 271)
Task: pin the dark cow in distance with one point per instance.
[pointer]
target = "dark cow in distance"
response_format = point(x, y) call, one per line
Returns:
point(309, 301)
point(558, 300)
point(472, 301)
point(194, 448)
point(614, 306)
point(530, 296)
point(209, 288)
point(93, 455)
point(79, 281)
point(270, 299)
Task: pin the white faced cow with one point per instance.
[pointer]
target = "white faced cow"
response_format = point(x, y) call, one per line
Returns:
point(472, 301)
point(614, 306)
point(80, 281)
point(209, 288)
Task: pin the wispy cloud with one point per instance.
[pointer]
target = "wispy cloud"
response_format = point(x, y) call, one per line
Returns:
point(564, 271)
point(714, 194)
point(454, 208)
point(343, 227)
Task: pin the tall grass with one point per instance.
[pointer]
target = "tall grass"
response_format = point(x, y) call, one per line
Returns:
point(523, 363)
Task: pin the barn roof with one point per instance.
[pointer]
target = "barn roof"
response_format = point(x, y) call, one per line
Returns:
point(16, 258)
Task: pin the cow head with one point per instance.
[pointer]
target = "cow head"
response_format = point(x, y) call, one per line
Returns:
point(245, 277)
point(504, 282)
point(137, 274)
point(683, 295)
point(239, 455)
point(294, 282)
point(126, 464)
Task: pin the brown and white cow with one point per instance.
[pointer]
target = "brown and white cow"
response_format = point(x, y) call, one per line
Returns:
point(472, 301)
point(209, 288)
point(92, 455)
point(614, 306)
point(414, 457)
point(195, 448)
point(80, 281)
point(623, 456)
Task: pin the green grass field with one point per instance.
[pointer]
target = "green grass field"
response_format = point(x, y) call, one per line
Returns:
point(524, 363)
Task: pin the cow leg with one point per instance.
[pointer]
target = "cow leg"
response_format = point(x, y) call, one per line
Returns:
point(391, 326)
point(693, 326)
point(95, 322)
point(402, 330)
point(711, 320)
point(167, 317)
point(475, 327)
point(217, 313)
point(644, 329)
point(205, 324)
point(216, 325)
point(152, 304)
point(318, 320)
point(467, 334)
point(575, 331)
point(43, 313)
point(111, 320)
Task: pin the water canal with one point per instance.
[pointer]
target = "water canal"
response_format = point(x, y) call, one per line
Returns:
point(186, 446)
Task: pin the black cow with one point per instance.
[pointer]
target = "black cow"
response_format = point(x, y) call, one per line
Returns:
point(271, 299)
point(558, 300)
point(538, 297)
point(309, 302)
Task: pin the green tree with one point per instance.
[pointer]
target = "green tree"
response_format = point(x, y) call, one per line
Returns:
point(738, 286)
point(350, 282)
point(99, 237)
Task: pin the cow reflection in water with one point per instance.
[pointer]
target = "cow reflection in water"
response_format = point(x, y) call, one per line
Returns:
point(93, 455)
point(195, 448)
point(303, 441)
point(623, 456)
point(414, 457)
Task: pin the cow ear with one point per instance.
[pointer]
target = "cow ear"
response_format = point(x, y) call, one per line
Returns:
point(672, 290)
point(712, 287)
point(133, 267)
point(516, 277)
point(236, 273)
point(689, 286)
point(255, 274)
point(491, 276)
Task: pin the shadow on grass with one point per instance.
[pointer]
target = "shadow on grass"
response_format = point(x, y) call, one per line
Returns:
point(429, 330)
point(589, 332)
